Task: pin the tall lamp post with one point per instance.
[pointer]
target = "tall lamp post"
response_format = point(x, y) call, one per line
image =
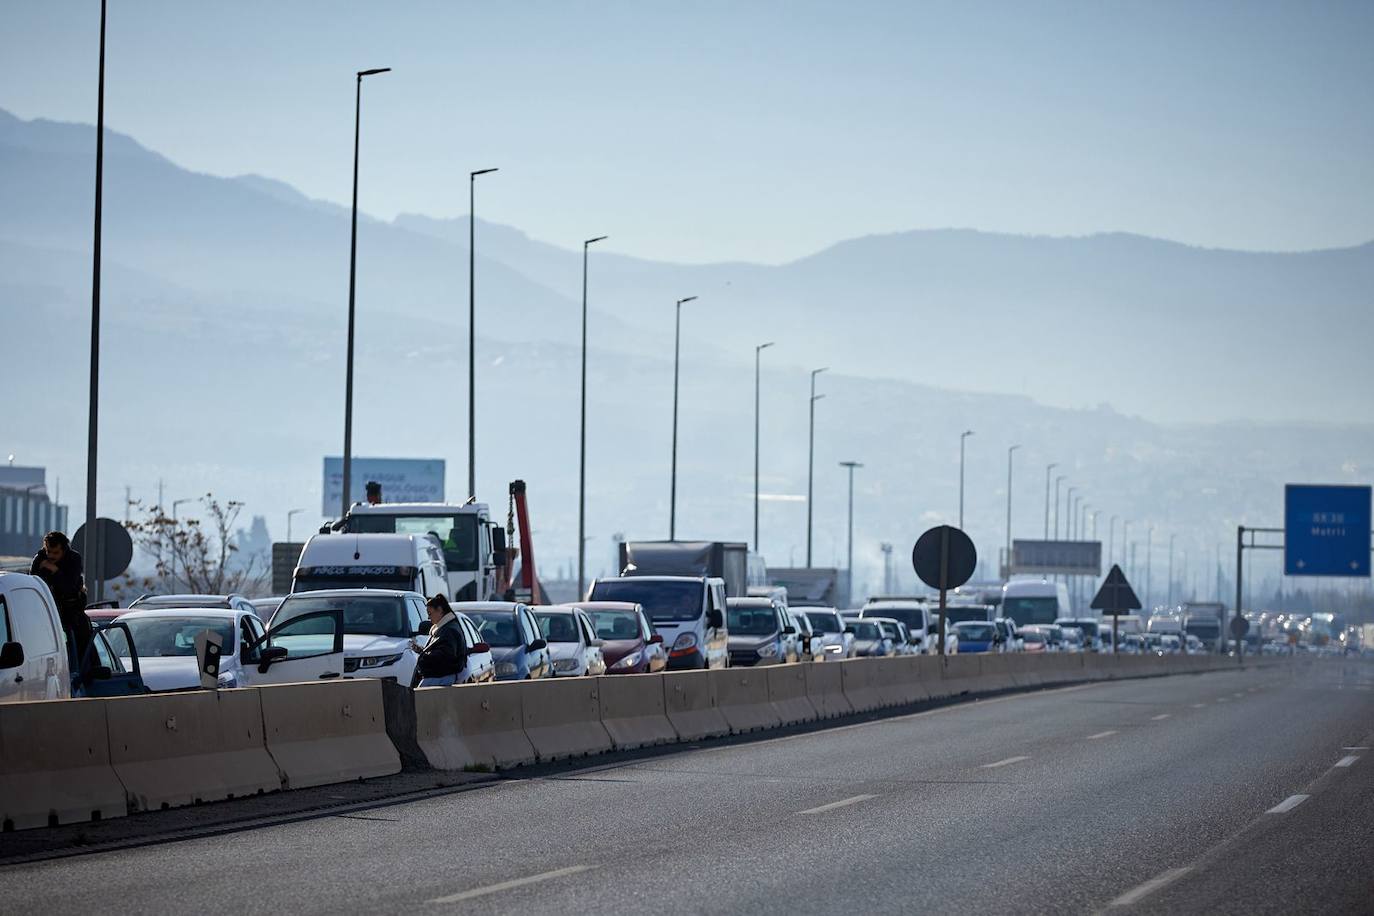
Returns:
point(352, 293)
point(1048, 469)
point(472, 329)
point(1057, 481)
point(1111, 541)
point(95, 549)
point(1170, 599)
point(1010, 451)
point(811, 461)
point(582, 437)
point(1149, 552)
point(963, 436)
point(849, 563)
point(677, 349)
point(757, 351)
point(1068, 515)
point(289, 514)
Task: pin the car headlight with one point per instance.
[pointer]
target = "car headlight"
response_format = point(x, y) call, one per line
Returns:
point(630, 660)
point(505, 667)
point(565, 664)
point(768, 650)
point(228, 679)
point(379, 661)
point(684, 642)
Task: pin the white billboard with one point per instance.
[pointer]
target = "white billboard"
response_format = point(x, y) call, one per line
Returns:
point(403, 480)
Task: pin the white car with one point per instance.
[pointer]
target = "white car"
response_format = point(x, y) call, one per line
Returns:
point(381, 628)
point(33, 650)
point(829, 641)
point(165, 639)
point(572, 641)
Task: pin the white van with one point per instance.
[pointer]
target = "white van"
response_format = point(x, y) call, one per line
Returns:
point(33, 647)
point(473, 547)
point(922, 621)
point(402, 562)
point(1035, 602)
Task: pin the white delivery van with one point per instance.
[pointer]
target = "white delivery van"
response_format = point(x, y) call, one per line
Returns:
point(33, 647)
point(473, 547)
point(1035, 602)
point(402, 562)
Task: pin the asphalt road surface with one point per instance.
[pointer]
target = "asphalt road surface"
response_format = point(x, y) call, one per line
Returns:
point(1240, 792)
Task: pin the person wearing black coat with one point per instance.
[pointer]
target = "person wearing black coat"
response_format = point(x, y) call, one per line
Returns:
point(444, 656)
point(61, 569)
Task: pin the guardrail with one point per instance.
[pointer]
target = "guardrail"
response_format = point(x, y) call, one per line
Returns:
point(68, 761)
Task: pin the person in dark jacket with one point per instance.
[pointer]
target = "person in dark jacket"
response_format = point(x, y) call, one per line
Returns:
point(61, 570)
point(444, 656)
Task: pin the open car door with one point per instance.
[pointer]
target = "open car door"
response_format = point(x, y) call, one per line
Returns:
point(304, 648)
point(102, 672)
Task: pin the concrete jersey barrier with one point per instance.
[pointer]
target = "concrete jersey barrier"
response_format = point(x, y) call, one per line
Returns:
point(633, 712)
point(480, 726)
point(55, 764)
point(693, 709)
point(825, 690)
point(742, 696)
point(787, 693)
point(183, 748)
point(327, 731)
point(562, 718)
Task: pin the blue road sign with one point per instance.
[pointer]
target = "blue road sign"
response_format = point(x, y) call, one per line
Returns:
point(1326, 530)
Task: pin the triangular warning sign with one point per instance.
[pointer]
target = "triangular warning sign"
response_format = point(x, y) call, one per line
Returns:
point(1116, 595)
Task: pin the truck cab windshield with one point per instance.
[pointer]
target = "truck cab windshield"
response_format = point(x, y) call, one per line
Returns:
point(456, 533)
point(663, 602)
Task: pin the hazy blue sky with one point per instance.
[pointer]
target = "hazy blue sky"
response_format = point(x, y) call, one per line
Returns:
point(752, 130)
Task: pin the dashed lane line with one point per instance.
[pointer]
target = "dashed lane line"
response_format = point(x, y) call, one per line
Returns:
point(1347, 761)
point(1110, 731)
point(1161, 717)
point(1002, 763)
point(1288, 804)
point(842, 803)
point(1140, 891)
point(513, 883)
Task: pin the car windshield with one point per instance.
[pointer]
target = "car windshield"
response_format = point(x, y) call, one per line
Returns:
point(913, 617)
point(615, 624)
point(866, 629)
point(961, 614)
point(976, 632)
point(751, 621)
point(1031, 610)
point(363, 615)
point(825, 622)
point(497, 628)
point(456, 533)
point(890, 630)
point(1034, 636)
point(670, 601)
point(557, 627)
point(175, 637)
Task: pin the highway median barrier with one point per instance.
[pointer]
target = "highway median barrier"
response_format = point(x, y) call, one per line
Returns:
point(825, 690)
point(787, 693)
point(742, 697)
point(178, 749)
point(55, 765)
point(328, 731)
point(562, 718)
point(474, 727)
point(860, 685)
point(996, 671)
point(689, 699)
point(633, 711)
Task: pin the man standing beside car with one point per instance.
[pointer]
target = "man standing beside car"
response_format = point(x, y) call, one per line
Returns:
point(444, 656)
point(61, 570)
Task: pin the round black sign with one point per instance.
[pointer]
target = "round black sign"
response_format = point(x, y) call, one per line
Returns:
point(1239, 627)
point(114, 545)
point(960, 557)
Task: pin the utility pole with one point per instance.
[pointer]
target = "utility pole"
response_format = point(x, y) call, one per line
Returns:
point(962, 437)
point(1010, 452)
point(811, 463)
point(849, 562)
point(758, 350)
point(677, 353)
point(1048, 469)
point(95, 549)
point(1057, 481)
point(472, 328)
point(582, 436)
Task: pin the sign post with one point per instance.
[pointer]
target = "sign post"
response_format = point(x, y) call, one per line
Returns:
point(1115, 597)
point(944, 558)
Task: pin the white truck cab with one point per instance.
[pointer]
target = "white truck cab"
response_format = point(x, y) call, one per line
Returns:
point(471, 544)
point(405, 562)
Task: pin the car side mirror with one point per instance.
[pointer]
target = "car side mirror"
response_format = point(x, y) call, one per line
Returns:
point(655, 640)
point(715, 619)
point(536, 646)
point(269, 655)
point(789, 631)
point(480, 647)
point(11, 655)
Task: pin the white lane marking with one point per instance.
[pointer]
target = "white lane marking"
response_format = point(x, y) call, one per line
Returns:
point(1238, 696)
point(1199, 705)
point(1288, 804)
point(1354, 748)
point(1161, 717)
point(515, 882)
point(1223, 699)
point(1149, 887)
point(1002, 763)
point(1110, 731)
point(852, 800)
point(1348, 761)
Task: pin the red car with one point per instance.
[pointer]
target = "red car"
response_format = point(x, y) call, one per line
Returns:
point(628, 641)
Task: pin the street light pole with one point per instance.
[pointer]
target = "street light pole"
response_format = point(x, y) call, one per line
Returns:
point(1171, 571)
point(1057, 481)
point(94, 549)
point(849, 563)
point(472, 329)
point(757, 351)
point(582, 438)
point(1010, 451)
point(175, 530)
point(1068, 514)
point(962, 437)
point(289, 514)
point(811, 461)
point(677, 349)
point(1149, 552)
point(352, 291)
point(1048, 469)
point(1111, 541)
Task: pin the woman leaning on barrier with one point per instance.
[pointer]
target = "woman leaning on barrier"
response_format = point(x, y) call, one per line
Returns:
point(444, 656)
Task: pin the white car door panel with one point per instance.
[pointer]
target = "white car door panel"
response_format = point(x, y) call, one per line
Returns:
point(305, 648)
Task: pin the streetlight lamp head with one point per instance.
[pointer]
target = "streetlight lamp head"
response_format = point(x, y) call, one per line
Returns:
point(817, 397)
point(967, 432)
point(599, 238)
point(851, 464)
point(682, 302)
point(764, 346)
point(820, 370)
point(373, 72)
point(482, 172)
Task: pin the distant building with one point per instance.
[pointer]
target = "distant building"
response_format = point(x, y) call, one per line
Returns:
point(26, 511)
